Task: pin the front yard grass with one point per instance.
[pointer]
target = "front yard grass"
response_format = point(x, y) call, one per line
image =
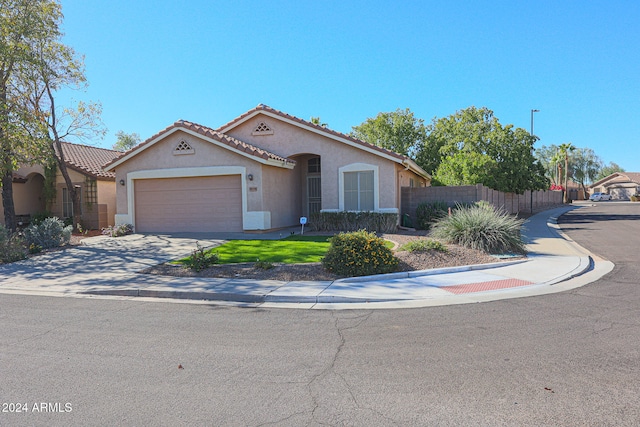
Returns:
point(290, 250)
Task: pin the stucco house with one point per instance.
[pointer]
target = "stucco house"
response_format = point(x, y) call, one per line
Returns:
point(620, 185)
point(97, 187)
point(261, 171)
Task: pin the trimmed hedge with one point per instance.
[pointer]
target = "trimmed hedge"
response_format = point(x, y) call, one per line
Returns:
point(359, 253)
point(353, 221)
point(428, 213)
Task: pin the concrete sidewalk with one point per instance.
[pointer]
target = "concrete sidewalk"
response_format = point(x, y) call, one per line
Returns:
point(104, 266)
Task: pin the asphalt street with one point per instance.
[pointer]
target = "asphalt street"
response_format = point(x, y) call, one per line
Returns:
point(570, 358)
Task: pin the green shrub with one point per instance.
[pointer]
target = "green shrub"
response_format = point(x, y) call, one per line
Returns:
point(118, 230)
point(50, 233)
point(352, 221)
point(263, 265)
point(12, 246)
point(200, 259)
point(424, 245)
point(35, 249)
point(481, 227)
point(428, 213)
point(359, 253)
point(38, 217)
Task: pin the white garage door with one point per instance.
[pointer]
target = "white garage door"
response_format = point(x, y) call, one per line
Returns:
point(188, 204)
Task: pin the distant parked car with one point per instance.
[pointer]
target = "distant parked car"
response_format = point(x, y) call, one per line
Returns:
point(597, 197)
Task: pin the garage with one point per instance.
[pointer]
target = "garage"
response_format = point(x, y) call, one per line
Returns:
point(192, 204)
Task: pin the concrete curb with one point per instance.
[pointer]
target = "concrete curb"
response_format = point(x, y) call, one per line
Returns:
point(430, 272)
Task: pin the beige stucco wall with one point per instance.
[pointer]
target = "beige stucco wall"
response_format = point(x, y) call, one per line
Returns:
point(27, 197)
point(281, 196)
point(289, 140)
point(107, 196)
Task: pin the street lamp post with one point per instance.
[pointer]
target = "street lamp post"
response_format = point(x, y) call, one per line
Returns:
point(533, 111)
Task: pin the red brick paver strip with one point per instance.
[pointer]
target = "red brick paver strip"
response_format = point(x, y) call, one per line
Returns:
point(468, 288)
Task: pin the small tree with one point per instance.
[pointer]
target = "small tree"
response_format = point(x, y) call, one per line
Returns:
point(126, 141)
point(56, 66)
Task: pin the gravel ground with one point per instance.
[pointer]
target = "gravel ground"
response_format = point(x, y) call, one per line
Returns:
point(409, 261)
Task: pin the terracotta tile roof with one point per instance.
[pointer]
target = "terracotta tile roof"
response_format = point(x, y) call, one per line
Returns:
point(89, 160)
point(633, 176)
point(617, 177)
point(213, 134)
point(232, 142)
point(262, 107)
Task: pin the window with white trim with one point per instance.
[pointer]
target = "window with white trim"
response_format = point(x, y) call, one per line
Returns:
point(358, 191)
point(67, 202)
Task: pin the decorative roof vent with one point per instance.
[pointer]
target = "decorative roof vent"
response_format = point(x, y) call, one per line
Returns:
point(262, 129)
point(183, 148)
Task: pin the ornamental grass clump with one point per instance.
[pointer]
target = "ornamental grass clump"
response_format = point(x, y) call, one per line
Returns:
point(359, 253)
point(481, 227)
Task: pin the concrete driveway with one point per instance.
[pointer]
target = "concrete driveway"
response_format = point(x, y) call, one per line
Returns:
point(98, 259)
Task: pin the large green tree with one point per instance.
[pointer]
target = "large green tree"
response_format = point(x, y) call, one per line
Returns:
point(24, 24)
point(53, 66)
point(607, 170)
point(585, 167)
point(398, 131)
point(476, 149)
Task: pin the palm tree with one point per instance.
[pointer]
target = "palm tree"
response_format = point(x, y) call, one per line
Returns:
point(557, 161)
point(564, 150)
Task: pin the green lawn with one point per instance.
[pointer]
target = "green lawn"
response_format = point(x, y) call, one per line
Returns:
point(291, 250)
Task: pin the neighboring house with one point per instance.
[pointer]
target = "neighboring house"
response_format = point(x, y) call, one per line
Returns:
point(97, 187)
point(261, 171)
point(620, 185)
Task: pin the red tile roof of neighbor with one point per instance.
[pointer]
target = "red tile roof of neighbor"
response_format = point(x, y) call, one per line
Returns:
point(89, 160)
point(633, 176)
point(262, 107)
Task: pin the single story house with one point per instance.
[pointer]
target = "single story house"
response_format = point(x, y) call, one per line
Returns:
point(620, 185)
point(261, 171)
point(84, 164)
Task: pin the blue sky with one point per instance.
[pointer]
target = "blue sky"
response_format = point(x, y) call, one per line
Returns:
point(151, 63)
